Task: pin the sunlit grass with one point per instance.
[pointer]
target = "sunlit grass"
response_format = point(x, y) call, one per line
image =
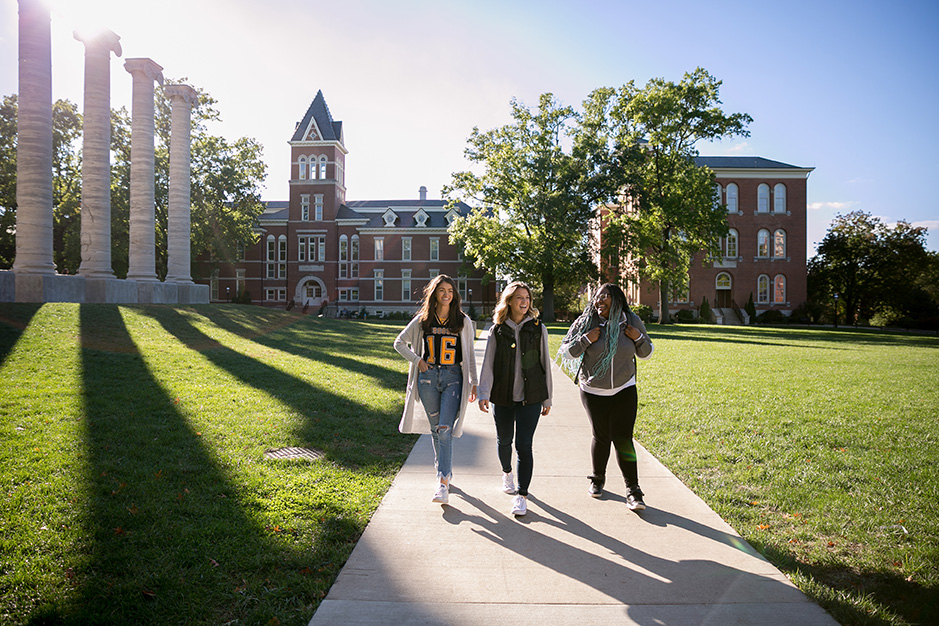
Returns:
point(818, 446)
point(134, 479)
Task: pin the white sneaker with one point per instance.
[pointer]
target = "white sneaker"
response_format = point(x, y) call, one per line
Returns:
point(520, 505)
point(508, 482)
point(442, 495)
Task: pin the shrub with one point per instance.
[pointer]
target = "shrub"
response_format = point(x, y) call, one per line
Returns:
point(771, 316)
point(704, 311)
point(685, 316)
point(644, 312)
point(750, 308)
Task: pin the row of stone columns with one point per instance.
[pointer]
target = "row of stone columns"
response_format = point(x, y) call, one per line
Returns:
point(34, 253)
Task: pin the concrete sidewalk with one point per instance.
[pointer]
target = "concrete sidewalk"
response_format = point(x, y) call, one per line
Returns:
point(572, 560)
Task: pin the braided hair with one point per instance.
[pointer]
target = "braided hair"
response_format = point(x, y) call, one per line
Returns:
point(618, 305)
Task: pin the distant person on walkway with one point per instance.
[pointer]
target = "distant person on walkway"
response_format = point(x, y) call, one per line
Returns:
point(516, 379)
point(600, 351)
point(438, 342)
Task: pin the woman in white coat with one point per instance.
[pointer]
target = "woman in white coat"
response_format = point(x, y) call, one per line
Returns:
point(438, 342)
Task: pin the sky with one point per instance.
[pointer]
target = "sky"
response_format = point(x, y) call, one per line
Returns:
point(849, 88)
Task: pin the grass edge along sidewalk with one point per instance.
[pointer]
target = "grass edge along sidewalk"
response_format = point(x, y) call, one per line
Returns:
point(815, 446)
point(136, 489)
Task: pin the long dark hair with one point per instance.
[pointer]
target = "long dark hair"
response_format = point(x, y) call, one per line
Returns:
point(428, 310)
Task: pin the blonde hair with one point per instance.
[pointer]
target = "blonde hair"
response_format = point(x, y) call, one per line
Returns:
point(454, 321)
point(502, 309)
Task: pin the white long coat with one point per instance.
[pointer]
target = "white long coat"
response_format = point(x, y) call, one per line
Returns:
point(414, 419)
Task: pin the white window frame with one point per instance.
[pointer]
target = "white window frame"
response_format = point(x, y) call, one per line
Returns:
point(301, 165)
point(271, 256)
point(733, 198)
point(762, 198)
point(318, 207)
point(779, 198)
point(405, 248)
point(762, 289)
point(779, 285)
point(379, 248)
point(434, 249)
point(305, 207)
point(354, 257)
point(379, 285)
point(406, 285)
point(763, 243)
point(731, 250)
point(779, 244)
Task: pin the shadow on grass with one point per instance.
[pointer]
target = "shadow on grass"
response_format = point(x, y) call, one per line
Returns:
point(776, 335)
point(349, 433)
point(14, 318)
point(844, 588)
point(330, 341)
point(167, 537)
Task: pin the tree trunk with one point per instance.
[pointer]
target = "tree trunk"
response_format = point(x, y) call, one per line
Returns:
point(547, 295)
point(663, 303)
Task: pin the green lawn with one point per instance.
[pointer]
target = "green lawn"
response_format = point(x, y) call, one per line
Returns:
point(135, 487)
point(136, 491)
point(820, 447)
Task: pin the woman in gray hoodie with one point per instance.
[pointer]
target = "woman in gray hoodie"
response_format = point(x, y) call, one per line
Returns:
point(600, 349)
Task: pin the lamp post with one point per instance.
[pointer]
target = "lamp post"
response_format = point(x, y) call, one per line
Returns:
point(836, 309)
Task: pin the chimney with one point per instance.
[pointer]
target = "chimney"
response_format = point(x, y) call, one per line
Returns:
point(423, 192)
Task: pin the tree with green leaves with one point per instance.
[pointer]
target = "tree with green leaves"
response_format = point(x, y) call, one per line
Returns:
point(66, 183)
point(225, 185)
point(874, 269)
point(532, 206)
point(669, 214)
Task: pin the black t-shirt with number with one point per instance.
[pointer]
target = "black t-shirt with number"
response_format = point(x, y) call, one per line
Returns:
point(442, 346)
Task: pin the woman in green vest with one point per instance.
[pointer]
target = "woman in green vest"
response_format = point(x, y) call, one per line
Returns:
point(516, 380)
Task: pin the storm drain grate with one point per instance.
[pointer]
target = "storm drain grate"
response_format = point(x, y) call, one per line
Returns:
point(293, 453)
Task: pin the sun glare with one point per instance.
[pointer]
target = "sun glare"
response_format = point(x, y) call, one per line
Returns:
point(85, 16)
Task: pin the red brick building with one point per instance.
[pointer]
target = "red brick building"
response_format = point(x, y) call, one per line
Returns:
point(322, 252)
point(765, 253)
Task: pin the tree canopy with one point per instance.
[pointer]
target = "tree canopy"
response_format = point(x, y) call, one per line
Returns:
point(670, 213)
point(225, 184)
point(876, 270)
point(629, 155)
point(532, 208)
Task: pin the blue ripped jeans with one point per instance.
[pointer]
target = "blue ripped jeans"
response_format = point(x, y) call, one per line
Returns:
point(441, 391)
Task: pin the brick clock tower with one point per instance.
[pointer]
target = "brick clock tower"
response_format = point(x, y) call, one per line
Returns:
point(321, 253)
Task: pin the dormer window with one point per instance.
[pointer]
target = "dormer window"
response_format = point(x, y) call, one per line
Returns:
point(390, 218)
point(452, 214)
point(420, 218)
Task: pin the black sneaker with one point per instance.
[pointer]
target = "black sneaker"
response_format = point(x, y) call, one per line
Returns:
point(595, 489)
point(634, 500)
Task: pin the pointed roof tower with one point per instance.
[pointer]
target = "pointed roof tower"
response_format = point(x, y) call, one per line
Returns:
point(318, 124)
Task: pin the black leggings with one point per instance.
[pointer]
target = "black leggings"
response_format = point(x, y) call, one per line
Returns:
point(613, 419)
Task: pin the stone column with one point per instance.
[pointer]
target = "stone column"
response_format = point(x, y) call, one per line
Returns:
point(178, 228)
point(142, 262)
point(34, 142)
point(96, 154)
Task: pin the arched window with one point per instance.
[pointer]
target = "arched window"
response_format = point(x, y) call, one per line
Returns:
point(779, 244)
point(732, 193)
point(731, 249)
point(343, 256)
point(354, 257)
point(722, 281)
point(718, 195)
point(779, 198)
point(779, 289)
point(322, 167)
point(271, 257)
point(302, 165)
point(762, 289)
point(762, 198)
point(762, 243)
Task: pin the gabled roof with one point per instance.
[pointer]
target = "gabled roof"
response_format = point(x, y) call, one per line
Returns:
point(406, 210)
point(742, 162)
point(319, 118)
